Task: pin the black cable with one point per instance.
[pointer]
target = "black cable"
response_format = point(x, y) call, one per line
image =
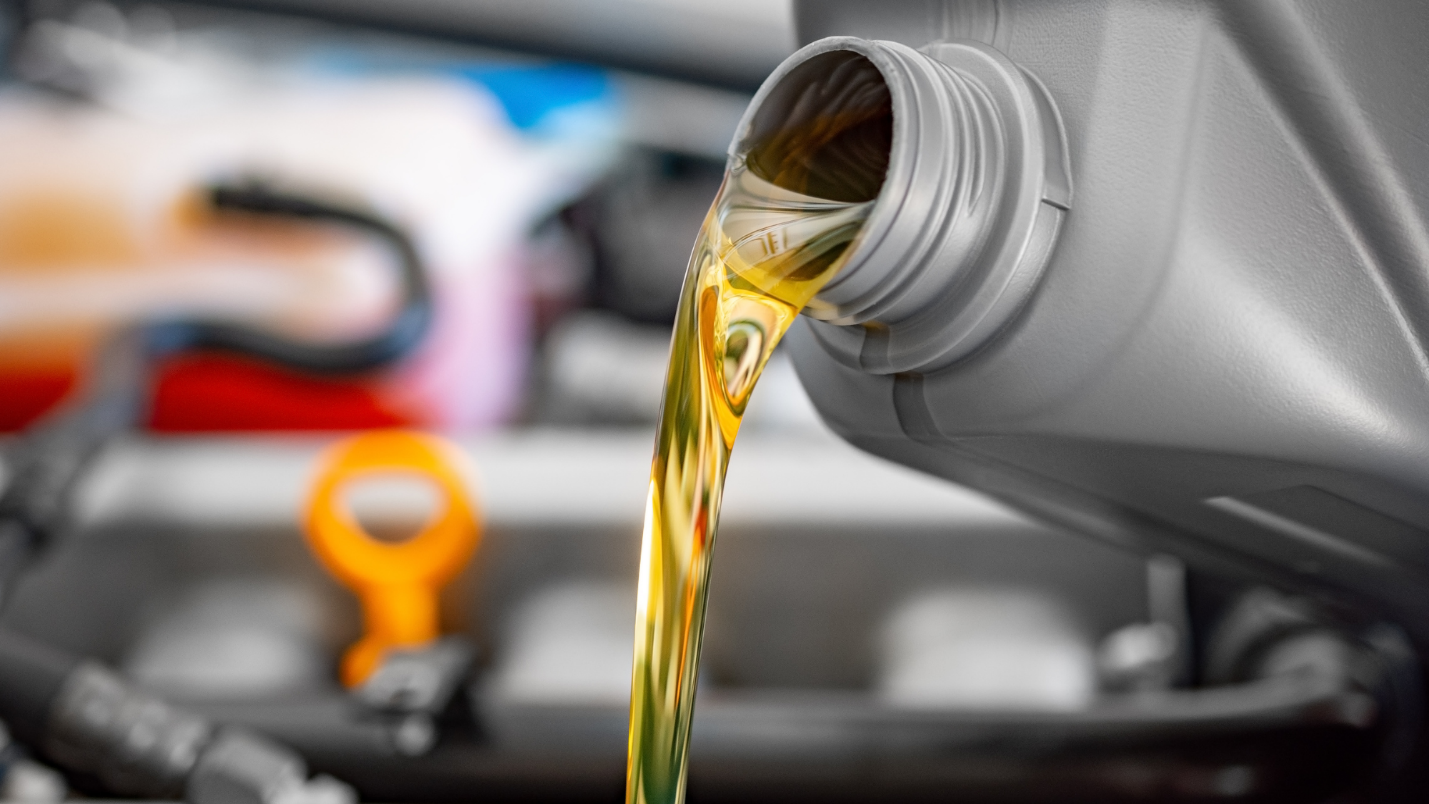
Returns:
point(42, 466)
point(33, 673)
point(399, 338)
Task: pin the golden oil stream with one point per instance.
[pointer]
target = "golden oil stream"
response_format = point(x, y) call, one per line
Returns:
point(767, 247)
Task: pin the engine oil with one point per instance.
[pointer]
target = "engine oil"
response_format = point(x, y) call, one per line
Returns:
point(794, 200)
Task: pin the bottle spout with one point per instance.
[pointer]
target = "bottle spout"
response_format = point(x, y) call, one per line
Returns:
point(963, 157)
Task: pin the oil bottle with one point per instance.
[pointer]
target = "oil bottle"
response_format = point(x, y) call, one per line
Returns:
point(1217, 348)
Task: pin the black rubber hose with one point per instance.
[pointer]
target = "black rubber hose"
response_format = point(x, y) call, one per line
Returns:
point(399, 338)
point(32, 674)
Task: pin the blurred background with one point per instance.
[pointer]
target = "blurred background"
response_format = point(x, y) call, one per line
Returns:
point(553, 201)
point(526, 177)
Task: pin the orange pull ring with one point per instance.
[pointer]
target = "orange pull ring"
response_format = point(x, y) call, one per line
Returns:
point(396, 582)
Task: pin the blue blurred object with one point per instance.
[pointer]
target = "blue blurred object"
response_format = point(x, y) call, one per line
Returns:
point(534, 95)
point(529, 94)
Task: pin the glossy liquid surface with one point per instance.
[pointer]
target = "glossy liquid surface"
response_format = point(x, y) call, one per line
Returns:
point(766, 249)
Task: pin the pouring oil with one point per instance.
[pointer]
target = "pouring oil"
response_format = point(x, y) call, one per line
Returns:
point(790, 207)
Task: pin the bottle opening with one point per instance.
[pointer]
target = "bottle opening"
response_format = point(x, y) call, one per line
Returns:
point(826, 130)
point(962, 199)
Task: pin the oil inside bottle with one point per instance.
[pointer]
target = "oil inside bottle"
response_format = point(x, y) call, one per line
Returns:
point(793, 202)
